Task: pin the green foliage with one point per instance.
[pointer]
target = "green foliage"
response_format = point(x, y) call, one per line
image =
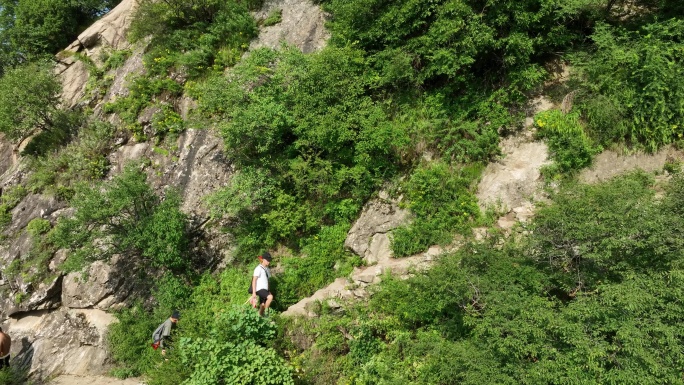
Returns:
point(9, 199)
point(115, 59)
point(13, 376)
point(233, 353)
point(142, 93)
point(418, 42)
point(191, 37)
point(28, 101)
point(82, 160)
point(323, 259)
point(129, 340)
point(571, 149)
point(218, 339)
point(440, 197)
point(166, 121)
point(124, 216)
point(305, 136)
point(585, 297)
point(632, 82)
point(38, 226)
point(273, 18)
point(38, 29)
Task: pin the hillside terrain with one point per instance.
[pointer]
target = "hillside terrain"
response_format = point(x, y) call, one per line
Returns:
point(453, 191)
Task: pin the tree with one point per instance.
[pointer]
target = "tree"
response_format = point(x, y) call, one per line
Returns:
point(28, 100)
point(35, 29)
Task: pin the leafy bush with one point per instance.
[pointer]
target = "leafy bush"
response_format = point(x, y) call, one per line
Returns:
point(440, 198)
point(632, 81)
point(142, 93)
point(571, 148)
point(273, 18)
point(192, 38)
point(233, 353)
point(38, 226)
point(218, 339)
point(586, 296)
point(124, 216)
point(13, 376)
point(28, 100)
point(38, 29)
point(9, 199)
point(323, 259)
point(305, 137)
point(82, 160)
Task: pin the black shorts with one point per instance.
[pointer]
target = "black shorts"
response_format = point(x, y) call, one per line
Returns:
point(4, 363)
point(262, 294)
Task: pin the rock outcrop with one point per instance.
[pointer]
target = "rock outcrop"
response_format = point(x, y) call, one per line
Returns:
point(368, 237)
point(99, 287)
point(63, 341)
point(107, 34)
point(302, 26)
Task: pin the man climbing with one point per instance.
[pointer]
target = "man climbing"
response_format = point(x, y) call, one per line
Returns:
point(260, 286)
point(163, 332)
point(5, 344)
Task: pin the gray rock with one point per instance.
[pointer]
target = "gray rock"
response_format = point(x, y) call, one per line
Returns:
point(45, 297)
point(379, 216)
point(31, 207)
point(63, 341)
point(89, 290)
point(108, 33)
point(302, 25)
point(379, 249)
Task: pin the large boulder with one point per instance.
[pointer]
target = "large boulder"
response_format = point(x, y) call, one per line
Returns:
point(368, 236)
point(106, 34)
point(47, 296)
point(101, 286)
point(302, 25)
point(66, 341)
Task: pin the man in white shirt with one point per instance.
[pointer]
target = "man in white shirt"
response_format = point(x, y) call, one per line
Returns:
point(260, 284)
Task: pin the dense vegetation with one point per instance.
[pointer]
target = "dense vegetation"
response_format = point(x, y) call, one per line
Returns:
point(37, 29)
point(409, 96)
point(591, 296)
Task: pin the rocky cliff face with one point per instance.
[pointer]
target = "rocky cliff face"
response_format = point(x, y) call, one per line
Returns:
point(59, 326)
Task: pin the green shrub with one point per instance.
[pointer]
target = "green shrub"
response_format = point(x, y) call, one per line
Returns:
point(632, 82)
point(440, 197)
point(9, 199)
point(273, 18)
point(218, 338)
point(193, 38)
point(32, 30)
point(305, 137)
point(167, 122)
point(13, 376)
point(142, 93)
point(323, 259)
point(84, 159)
point(115, 59)
point(571, 149)
point(130, 217)
point(129, 340)
point(233, 354)
point(38, 226)
point(584, 295)
point(28, 100)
